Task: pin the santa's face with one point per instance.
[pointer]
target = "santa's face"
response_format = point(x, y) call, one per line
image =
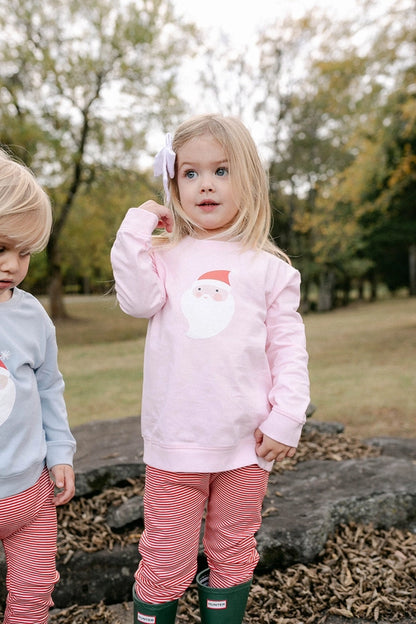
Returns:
point(204, 185)
point(7, 395)
point(208, 307)
point(215, 292)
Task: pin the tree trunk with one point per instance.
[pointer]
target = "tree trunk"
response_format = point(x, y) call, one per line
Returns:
point(57, 308)
point(346, 290)
point(361, 290)
point(373, 285)
point(412, 270)
point(326, 290)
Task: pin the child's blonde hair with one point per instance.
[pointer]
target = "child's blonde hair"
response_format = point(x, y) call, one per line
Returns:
point(25, 209)
point(248, 178)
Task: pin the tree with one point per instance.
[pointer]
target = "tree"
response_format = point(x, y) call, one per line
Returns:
point(100, 208)
point(380, 182)
point(385, 183)
point(306, 137)
point(82, 84)
point(334, 162)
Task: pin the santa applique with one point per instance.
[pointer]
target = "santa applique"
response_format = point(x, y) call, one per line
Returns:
point(209, 304)
point(7, 393)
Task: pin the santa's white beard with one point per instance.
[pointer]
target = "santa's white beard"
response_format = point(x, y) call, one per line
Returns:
point(206, 316)
point(7, 398)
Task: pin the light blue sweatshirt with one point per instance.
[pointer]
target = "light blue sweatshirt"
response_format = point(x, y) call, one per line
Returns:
point(34, 428)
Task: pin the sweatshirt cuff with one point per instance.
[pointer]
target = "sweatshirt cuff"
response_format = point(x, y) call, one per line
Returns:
point(283, 428)
point(143, 221)
point(60, 454)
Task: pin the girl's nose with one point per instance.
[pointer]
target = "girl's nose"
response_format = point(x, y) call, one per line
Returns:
point(207, 184)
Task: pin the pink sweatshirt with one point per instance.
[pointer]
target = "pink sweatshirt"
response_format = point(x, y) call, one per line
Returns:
point(225, 350)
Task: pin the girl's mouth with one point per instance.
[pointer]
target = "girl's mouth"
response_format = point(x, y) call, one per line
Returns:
point(208, 206)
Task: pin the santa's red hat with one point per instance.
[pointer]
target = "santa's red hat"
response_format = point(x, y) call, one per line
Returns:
point(3, 366)
point(213, 277)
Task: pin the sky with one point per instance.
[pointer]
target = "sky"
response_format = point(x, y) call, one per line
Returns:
point(240, 20)
point(240, 23)
point(237, 24)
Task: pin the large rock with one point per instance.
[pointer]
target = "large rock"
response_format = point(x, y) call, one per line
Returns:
point(302, 508)
point(108, 452)
point(89, 578)
point(395, 447)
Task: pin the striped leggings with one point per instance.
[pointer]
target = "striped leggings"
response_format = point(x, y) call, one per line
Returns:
point(174, 505)
point(28, 531)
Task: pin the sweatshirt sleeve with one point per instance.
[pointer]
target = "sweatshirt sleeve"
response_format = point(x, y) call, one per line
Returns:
point(288, 360)
point(60, 442)
point(140, 291)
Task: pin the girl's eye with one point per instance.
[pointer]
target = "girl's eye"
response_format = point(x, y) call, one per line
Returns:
point(191, 174)
point(221, 171)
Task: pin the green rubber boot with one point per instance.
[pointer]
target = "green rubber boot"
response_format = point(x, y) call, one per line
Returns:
point(221, 606)
point(146, 613)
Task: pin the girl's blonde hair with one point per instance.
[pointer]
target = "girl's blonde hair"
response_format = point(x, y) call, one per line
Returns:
point(248, 178)
point(25, 209)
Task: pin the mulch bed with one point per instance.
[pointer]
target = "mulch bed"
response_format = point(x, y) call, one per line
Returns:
point(362, 572)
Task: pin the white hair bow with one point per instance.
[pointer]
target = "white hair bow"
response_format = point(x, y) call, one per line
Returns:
point(164, 164)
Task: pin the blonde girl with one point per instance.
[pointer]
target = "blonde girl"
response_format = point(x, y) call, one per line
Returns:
point(225, 369)
point(25, 209)
point(35, 440)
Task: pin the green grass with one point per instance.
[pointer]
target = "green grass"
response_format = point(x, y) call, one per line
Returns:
point(362, 364)
point(363, 367)
point(103, 380)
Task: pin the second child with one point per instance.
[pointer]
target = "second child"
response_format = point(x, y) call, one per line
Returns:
point(35, 441)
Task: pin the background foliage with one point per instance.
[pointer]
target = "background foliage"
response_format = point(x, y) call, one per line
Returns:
point(83, 98)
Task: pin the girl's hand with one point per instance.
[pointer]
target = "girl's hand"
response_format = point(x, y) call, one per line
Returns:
point(164, 215)
point(64, 478)
point(270, 449)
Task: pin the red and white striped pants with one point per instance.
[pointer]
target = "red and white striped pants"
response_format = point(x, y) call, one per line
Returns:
point(174, 504)
point(28, 531)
